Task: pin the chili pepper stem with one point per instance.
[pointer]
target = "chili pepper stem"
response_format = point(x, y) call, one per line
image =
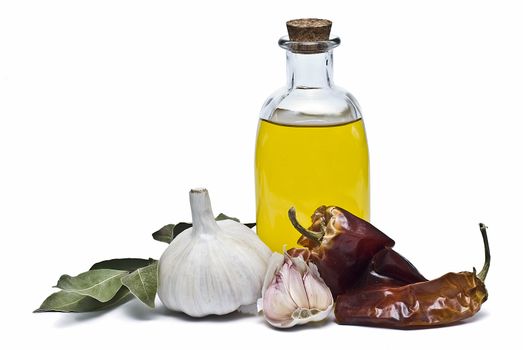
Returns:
point(312, 235)
point(483, 273)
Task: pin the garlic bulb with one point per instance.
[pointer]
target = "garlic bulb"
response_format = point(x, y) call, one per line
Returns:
point(214, 267)
point(293, 292)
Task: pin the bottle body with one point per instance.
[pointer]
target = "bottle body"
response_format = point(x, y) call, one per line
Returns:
point(311, 147)
point(306, 167)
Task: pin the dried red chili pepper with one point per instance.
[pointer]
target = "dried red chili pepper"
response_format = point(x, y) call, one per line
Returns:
point(343, 247)
point(443, 301)
point(387, 269)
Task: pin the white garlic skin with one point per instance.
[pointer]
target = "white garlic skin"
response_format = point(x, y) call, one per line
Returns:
point(212, 268)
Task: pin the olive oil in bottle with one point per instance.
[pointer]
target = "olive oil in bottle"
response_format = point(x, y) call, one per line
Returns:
point(311, 148)
point(317, 169)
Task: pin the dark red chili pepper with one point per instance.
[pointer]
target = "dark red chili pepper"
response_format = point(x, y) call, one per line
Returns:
point(387, 269)
point(349, 251)
point(443, 301)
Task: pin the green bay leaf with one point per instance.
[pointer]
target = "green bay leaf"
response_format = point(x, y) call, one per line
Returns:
point(143, 283)
point(63, 301)
point(101, 285)
point(222, 216)
point(125, 264)
point(169, 232)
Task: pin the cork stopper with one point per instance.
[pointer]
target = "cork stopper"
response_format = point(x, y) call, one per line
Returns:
point(309, 29)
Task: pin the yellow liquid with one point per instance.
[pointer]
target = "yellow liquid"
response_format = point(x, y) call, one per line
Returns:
point(306, 167)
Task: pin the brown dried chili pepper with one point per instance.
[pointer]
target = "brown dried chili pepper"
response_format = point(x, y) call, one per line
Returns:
point(346, 248)
point(443, 301)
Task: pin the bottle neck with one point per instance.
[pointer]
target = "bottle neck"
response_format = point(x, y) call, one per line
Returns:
point(309, 70)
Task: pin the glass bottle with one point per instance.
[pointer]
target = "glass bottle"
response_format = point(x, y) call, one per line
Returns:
point(311, 148)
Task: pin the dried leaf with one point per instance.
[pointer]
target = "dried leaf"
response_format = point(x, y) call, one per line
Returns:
point(101, 285)
point(143, 283)
point(222, 216)
point(125, 264)
point(169, 232)
point(63, 301)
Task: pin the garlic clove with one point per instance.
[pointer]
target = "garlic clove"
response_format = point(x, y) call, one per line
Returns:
point(296, 294)
point(320, 296)
point(298, 264)
point(295, 286)
point(275, 263)
point(277, 303)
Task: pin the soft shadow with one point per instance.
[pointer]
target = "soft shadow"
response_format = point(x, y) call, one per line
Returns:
point(71, 319)
point(233, 316)
point(302, 327)
point(138, 311)
point(476, 318)
point(135, 310)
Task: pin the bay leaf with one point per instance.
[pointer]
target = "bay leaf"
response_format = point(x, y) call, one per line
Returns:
point(125, 264)
point(169, 232)
point(63, 301)
point(222, 216)
point(143, 283)
point(101, 285)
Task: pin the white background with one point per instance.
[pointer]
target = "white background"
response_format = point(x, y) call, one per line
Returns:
point(110, 111)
